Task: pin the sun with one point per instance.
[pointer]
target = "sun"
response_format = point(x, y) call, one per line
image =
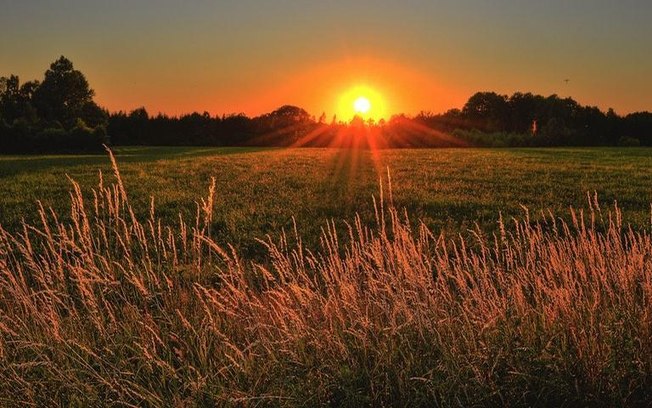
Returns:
point(363, 101)
point(361, 105)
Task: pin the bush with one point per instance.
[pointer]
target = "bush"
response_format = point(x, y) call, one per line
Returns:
point(629, 142)
point(100, 136)
point(51, 137)
point(22, 138)
point(496, 139)
point(15, 138)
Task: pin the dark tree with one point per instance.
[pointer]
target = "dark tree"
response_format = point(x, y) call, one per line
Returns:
point(525, 109)
point(15, 100)
point(289, 114)
point(638, 126)
point(487, 111)
point(64, 95)
point(57, 114)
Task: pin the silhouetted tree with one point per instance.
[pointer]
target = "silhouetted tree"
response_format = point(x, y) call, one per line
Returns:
point(57, 114)
point(64, 95)
point(15, 100)
point(289, 114)
point(487, 111)
point(525, 108)
point(638, 126)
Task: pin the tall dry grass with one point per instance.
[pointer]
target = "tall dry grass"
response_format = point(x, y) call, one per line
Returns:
point(112, 310)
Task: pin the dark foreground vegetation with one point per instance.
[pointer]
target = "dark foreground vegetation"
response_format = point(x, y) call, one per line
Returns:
point(58, 114)
point(112, 308)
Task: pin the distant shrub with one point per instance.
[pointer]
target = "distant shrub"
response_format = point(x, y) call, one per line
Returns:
point(15, 137)
point(23, 138)
point(85, 138)
point(629, 142)
point(100, 136)
point(495, 139)
point(49, 137)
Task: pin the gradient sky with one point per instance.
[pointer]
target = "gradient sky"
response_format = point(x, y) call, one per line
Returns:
point(253, 56)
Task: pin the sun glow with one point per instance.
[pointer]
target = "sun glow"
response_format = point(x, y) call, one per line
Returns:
point(362, 105)
point(364, 101)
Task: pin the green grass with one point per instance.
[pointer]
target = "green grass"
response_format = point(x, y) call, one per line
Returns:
point(260, 190)
point(106, 308)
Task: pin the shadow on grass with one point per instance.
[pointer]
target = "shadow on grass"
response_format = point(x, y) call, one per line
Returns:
point(15, 165)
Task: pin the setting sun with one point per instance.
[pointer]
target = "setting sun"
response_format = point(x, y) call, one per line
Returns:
point(362, 105)
point(364, 101)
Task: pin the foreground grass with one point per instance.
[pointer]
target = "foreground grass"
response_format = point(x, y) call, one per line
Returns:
point(116, 309)
point(261, 191)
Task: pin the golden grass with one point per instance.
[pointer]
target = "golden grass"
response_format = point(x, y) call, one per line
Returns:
point(112, 310)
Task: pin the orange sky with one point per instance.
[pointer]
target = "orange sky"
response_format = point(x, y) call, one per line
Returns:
point(332, 87)
point(326, 85)
point(252, 57)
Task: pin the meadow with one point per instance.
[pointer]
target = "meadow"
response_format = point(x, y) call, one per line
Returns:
point(465, 279)
point(260, 191)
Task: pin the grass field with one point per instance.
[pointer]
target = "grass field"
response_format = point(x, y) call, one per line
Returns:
point(106, 304)
point(259, 191)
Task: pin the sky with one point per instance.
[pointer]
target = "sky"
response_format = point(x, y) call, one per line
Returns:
point(408, 56)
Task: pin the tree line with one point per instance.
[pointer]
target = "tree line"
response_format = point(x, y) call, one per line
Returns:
point(487, 119)
point(59, 114)
point(525, 119)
